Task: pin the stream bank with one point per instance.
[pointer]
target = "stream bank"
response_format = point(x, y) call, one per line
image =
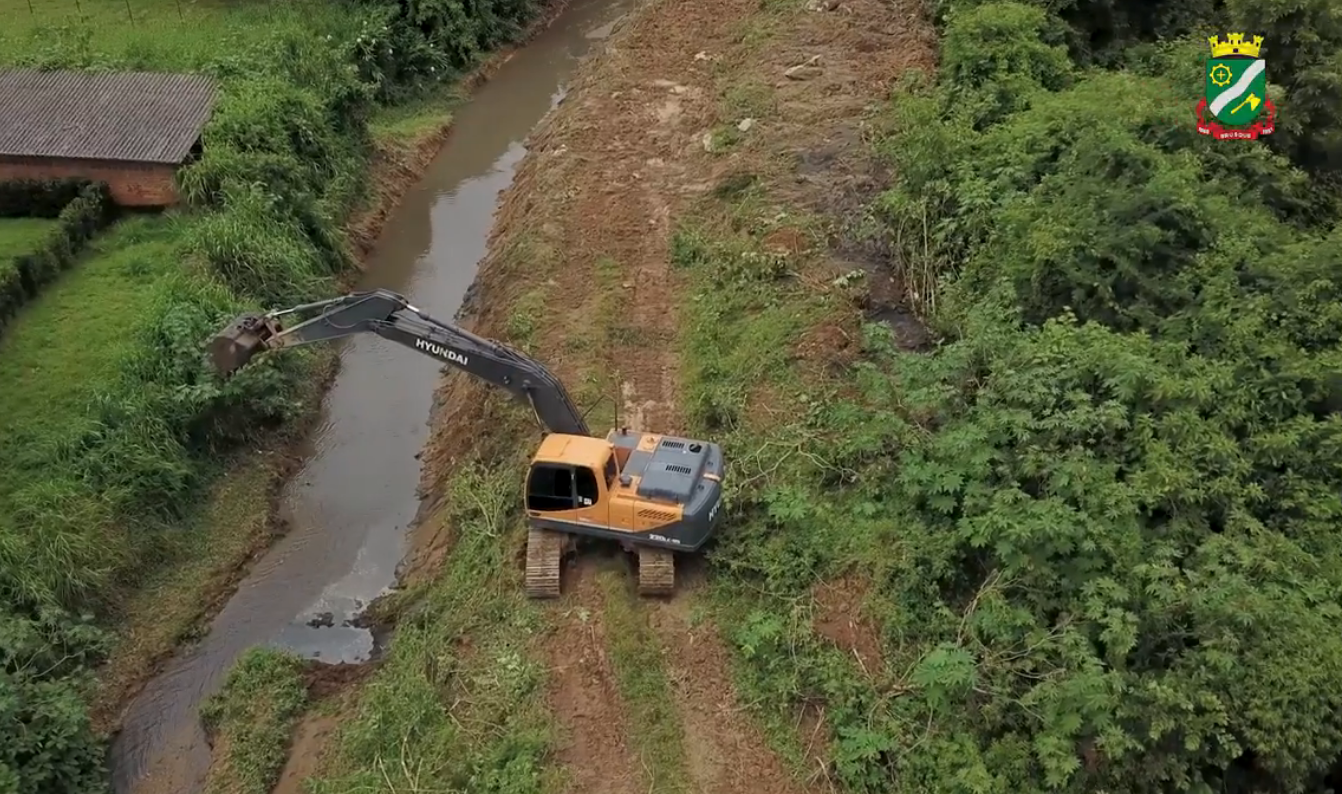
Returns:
point(347, 507)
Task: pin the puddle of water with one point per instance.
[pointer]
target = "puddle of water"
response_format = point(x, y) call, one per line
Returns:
point(349, 507)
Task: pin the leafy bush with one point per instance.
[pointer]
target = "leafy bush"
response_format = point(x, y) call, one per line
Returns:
point(49, 744)
point(1121, 559)
point(1101, 518)
point(39, 198)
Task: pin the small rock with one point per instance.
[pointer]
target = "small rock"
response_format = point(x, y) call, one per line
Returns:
point(708, 141)
point(323, 620)
point(679, 89)
point(804, 71)
point(744, 125)
point(628, 285)
point(701, 56)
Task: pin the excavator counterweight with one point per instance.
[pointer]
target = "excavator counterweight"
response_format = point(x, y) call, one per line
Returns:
point(654, 495)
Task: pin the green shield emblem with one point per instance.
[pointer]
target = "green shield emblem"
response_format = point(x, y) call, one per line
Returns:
point(1236, 88)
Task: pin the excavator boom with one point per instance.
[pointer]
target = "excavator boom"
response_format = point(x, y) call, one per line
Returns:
point(654, 494)
point(391, 316)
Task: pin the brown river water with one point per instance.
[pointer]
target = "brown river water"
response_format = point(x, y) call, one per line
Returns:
point(350, 505)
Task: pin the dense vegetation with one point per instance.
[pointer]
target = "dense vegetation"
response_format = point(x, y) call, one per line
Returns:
point(1100, 519)
point(104, 448)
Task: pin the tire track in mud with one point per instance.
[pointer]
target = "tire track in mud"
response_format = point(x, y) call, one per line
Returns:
point(585, 696)
point(725, 752)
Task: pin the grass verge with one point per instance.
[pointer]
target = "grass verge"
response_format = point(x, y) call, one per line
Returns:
point(250, 721)
point(744, 386)
point(173, 604)
point(49, 371)
point(636, 657)
point(108, 451)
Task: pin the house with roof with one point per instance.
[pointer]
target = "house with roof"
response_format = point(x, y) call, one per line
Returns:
point(132, 130)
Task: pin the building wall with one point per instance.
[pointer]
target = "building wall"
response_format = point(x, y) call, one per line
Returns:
point(132, 184)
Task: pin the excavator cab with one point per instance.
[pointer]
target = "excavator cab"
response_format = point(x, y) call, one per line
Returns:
point(654, 495)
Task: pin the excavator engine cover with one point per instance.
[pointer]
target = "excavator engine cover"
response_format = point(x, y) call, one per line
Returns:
point(234, 346)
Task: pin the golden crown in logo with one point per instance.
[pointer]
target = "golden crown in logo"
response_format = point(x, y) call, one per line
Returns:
point(1235, 45)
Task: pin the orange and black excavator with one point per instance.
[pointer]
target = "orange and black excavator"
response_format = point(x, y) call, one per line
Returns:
point(655, 495)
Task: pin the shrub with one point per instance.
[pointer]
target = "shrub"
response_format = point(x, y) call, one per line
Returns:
point(39, 198)
point(49, 744)
point(1112, 491)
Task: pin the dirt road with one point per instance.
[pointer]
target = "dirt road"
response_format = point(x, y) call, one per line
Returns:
point(579, 275)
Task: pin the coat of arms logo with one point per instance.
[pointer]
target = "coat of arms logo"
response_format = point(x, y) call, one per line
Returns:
point(1236, 100)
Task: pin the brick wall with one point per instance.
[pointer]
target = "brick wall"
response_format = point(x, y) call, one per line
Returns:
point(132, 184)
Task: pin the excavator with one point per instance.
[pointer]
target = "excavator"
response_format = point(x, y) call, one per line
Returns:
point(655, 495)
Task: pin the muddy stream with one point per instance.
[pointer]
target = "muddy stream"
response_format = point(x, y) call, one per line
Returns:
point(349, 507)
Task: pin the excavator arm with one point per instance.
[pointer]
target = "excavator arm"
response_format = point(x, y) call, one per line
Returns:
point(390, 316)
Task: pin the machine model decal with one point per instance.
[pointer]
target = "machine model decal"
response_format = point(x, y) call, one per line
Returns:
point(442, 352)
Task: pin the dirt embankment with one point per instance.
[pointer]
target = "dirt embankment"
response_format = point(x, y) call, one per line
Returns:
point(579, 275)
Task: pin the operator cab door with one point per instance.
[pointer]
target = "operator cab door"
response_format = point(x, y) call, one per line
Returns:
point(555, 487)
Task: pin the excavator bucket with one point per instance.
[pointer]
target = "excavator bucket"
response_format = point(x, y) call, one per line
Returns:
point(234, 346)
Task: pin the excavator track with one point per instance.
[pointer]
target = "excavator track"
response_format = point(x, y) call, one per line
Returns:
point(656, 572)
point(545, 553)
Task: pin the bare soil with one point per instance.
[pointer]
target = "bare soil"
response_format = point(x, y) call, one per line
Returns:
point(839, 619)
point(305, 753)
point(588, 221)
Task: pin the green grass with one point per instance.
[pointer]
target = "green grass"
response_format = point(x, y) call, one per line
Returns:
point(251, 720)
point(200, 562)
point(66, 346)
point(636, 656)
point(790, 523)
point(409, 121)
point(22, 235)
point(153, 34)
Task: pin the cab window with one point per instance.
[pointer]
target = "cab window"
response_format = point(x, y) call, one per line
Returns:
point(611, 471)
point(588, 493)
point(550, 488)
